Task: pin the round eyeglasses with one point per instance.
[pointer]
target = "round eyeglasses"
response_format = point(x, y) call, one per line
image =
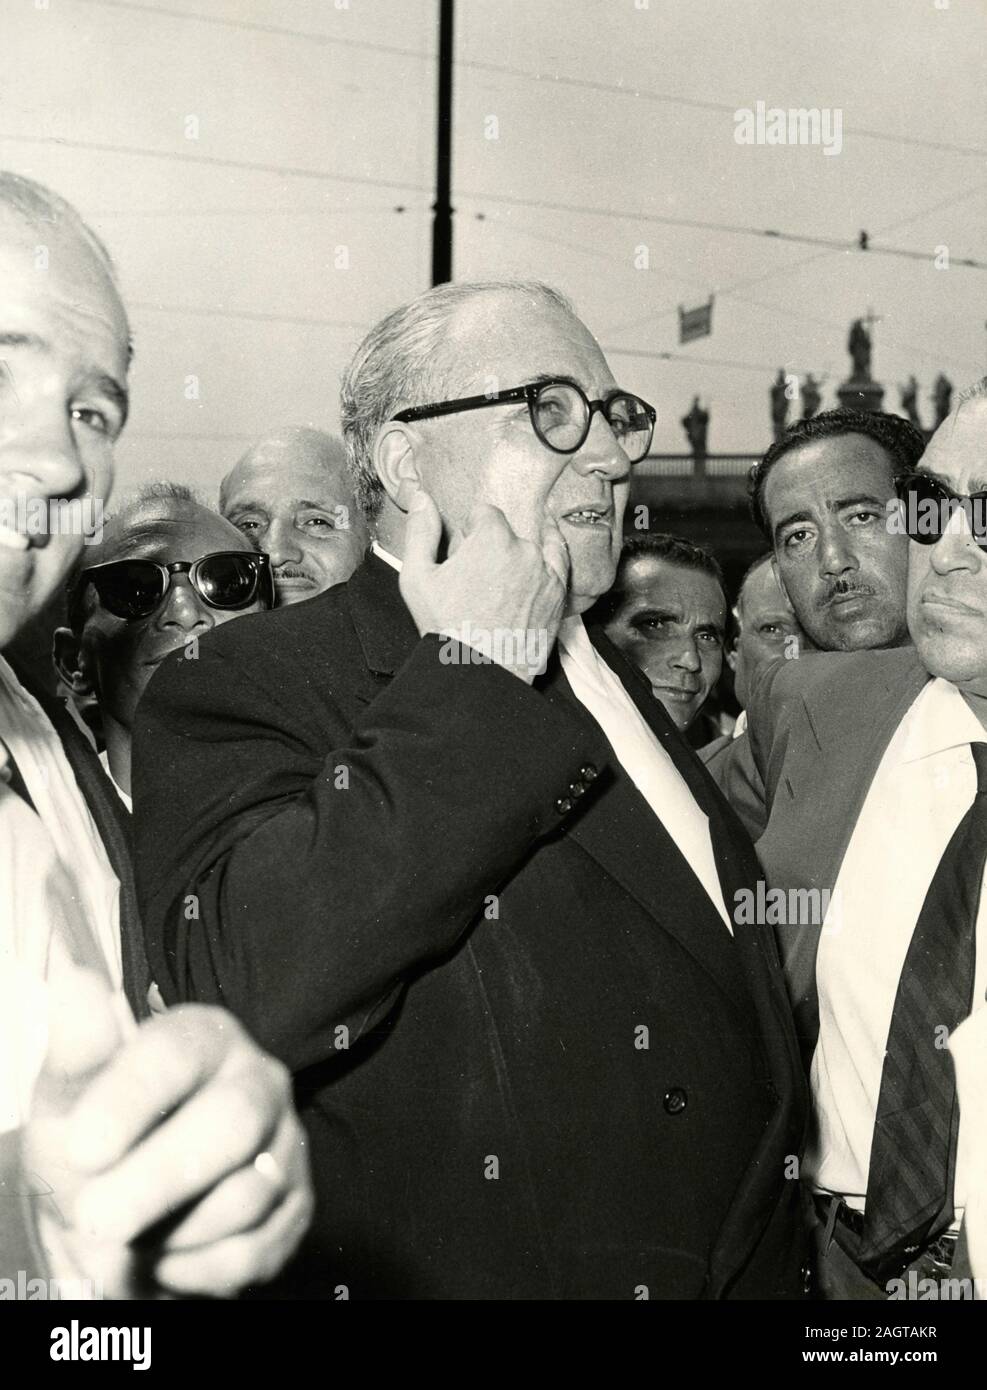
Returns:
point(561, 415)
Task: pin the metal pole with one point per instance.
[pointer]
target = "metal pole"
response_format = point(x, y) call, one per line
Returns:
point(442, 207)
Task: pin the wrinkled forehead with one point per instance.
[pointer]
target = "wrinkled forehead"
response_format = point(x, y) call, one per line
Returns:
point(514, 338)
point(957, 451)
point(657, 583)
point(166, 530)
point(278, 479)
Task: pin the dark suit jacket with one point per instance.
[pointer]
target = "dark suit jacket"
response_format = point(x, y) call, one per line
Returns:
point(818, 729)
point(402, 875)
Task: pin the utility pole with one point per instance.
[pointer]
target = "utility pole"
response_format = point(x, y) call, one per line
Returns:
point(442, 207)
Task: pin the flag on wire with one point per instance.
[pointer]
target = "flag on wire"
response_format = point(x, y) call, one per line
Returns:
point(696, 323)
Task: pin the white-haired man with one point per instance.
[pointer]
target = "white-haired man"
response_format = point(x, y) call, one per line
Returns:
point(120, 1126)
point(455, 865)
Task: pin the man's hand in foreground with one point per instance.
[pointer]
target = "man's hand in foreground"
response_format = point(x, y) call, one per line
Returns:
point(172, 1152)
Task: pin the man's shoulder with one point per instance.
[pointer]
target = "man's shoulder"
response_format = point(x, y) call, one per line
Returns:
point(840, 677)
point(281, 629)
point(715, 749)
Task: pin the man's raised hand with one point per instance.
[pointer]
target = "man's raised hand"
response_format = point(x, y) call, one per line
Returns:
point(496, 592)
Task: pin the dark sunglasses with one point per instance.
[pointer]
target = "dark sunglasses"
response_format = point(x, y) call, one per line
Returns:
point(561, 415)
point(928, 505)
point(134, 589)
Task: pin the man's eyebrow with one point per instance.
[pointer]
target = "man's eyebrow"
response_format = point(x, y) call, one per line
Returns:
point(248, 506)
point(109, 385)
point(543, 377)
point(862, 499)
point(24, 340)
point(790, 520)
point(649, 610)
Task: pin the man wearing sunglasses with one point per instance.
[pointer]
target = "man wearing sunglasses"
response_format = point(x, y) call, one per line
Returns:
point(156, 1159)
point(875, 765)
point(455, 865)
point(166, 572)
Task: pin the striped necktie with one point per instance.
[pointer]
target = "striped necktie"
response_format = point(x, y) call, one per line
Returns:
point(913, 1152)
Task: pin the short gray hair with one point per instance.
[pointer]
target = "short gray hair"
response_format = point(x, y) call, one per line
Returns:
point(39, 206)
point(400, 363)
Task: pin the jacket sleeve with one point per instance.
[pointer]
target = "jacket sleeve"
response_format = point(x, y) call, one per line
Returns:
point(300, 868)
point(735, 772)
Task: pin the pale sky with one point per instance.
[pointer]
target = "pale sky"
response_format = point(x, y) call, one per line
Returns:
point(243, 160)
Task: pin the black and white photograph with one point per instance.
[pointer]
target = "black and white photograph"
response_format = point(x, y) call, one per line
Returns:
point(493, 667)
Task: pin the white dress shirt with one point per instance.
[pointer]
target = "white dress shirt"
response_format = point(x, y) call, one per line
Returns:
point(640, 754)
point(924, 786)
point(128, 801)
point(59, 896)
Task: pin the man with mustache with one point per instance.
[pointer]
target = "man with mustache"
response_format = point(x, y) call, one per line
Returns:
point(875, 766)
point(125, 622)
point(454, 863)
point(291, 496)
point(169, 1150)
point(821, 495)
point(667, 613)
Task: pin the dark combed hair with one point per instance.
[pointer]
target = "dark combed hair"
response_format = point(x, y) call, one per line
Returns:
point(655, 545)
point(903, 443)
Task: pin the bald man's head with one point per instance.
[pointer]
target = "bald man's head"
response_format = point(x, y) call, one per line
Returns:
point(291, 496)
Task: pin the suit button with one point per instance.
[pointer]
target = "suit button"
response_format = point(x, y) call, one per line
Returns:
point(675, 1101)
point(588, 773)
point(563, 805)
point(576, 788)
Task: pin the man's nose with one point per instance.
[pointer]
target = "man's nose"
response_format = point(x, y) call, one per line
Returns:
point(956, 549)
point(184, 609)
point(600, 452)
point(38, 452)
point(835, 552)
point(686, 657)
point(282, 544)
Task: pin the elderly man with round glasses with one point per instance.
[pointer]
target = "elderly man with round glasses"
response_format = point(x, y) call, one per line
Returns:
point(481, 903)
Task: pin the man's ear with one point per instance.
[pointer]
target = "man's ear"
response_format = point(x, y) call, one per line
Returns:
point(70, 661)
point(396, 462)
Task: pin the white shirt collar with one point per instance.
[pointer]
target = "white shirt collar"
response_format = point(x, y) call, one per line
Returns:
point(938, 720)
point(377, 549)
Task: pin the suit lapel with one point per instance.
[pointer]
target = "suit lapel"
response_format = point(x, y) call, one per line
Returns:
point(835, 765)
point(620, 830)
point(384, 626)
point(757, 967)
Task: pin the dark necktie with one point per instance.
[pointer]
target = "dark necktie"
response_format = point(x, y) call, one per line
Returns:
point(913, 1153)
point(11, 774)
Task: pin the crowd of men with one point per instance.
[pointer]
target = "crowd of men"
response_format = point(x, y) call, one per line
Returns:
point(395, 940)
